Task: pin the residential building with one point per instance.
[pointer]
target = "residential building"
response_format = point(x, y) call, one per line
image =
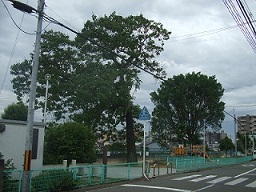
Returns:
point(247, 124)
point(213, 139)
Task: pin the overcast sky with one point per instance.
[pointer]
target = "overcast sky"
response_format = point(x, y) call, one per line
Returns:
point(204, 39)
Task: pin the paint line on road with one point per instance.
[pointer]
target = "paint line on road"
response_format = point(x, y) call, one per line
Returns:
point(155, 187)
point(239, 180)
point(253, 185)
point(202, 189)
point(203, 178)
point(245, 173)
point(219, 180)
point(186, 177)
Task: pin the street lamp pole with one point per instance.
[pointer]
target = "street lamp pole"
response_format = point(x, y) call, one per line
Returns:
point(32, 97)
point(47, 78)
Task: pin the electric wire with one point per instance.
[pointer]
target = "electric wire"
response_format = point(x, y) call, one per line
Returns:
point(246, 16)
point(231, 9)
point(248, 10)
point(13, 49)
point(28, 33)
point(201, 34)
point(235, 119)
point(241, 24)
point(60, 16)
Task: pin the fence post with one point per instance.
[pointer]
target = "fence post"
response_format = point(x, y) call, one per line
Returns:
point(1, 175)
point(65, 164)
point(158, 171)
point(154, 170)
point(89, 167)
point(129, 170)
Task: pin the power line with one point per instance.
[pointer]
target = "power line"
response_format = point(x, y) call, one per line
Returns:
point(13, 49)
point(59, 16)
point(14, 20)
point(241, 24)
point(242, 106)
point(200, 34)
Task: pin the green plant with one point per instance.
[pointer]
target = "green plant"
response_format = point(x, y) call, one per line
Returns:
point(53, 181)
point(9, 184)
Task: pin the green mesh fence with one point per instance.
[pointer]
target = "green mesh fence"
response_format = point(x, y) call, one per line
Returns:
point(12, 180)
point(64, 179)
point(189, 163)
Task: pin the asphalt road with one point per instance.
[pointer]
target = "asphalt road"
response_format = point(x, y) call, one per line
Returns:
point(236, 178)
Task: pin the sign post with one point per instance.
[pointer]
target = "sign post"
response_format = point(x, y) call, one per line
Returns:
point(144, 116)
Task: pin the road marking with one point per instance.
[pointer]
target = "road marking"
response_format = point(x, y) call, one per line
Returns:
point(248, 165)
point(245, 173)
point(239, 180)
point(219, 180)
point(253, 185)
point(203, 178)
point(155, 187)
point(186, 177)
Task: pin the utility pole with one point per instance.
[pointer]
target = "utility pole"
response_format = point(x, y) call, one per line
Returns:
point(235, 132)
point(32, 97)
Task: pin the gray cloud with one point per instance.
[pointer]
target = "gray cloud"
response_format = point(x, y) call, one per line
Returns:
point(225, 54)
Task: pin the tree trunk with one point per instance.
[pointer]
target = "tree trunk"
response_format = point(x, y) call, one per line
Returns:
point(130, 138)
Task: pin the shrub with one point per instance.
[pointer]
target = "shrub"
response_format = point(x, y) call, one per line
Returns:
point(53, 181)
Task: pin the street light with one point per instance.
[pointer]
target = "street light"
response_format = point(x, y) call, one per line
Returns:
point(47, 78)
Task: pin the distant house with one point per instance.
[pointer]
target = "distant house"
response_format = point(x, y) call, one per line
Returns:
point(12, 142)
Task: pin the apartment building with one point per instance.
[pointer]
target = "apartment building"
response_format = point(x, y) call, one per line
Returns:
point(247, 124)
point(213, 139)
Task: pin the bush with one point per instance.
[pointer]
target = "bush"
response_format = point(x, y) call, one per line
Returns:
point(9, 184)
point(53, 181)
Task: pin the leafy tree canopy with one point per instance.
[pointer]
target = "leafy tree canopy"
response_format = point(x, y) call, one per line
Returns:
point(92, 77)
point(244, 142)
point(15, 111)
point(184, 106)
point(226, 144)
point(69, 141)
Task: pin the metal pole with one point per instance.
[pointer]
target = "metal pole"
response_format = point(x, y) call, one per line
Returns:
point(47, 77)
point(235, 133)
point(32, 97)
point(144, 149)
point(204, 140)
point(245, 144)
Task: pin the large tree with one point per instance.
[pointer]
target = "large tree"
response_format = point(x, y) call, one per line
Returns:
point(15, 111)
point(129, 44)
point(93, 76)
point(184, 106)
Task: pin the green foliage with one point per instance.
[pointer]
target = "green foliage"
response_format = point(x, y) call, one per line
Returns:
point(118, 147)
point(243, 141)
point(92, 77)
point(9, 184)
point(53, 181)
point(15, 111)
point(69, 141)
point(226, 145)
point(57, 58)
point(184, 105)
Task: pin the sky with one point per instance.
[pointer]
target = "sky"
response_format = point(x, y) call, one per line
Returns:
point(205, 38)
